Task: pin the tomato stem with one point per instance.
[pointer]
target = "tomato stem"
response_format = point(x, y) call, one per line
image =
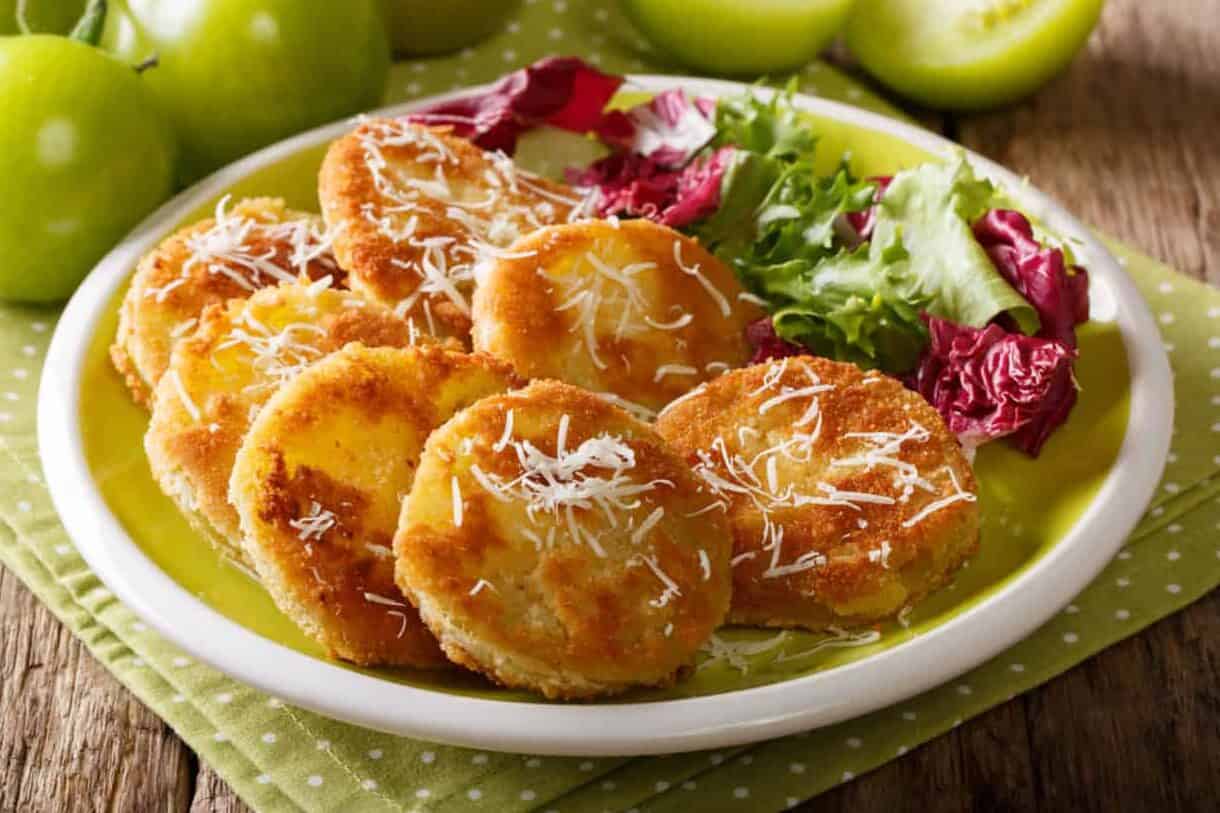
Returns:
point(150, 62)
point(88, 28)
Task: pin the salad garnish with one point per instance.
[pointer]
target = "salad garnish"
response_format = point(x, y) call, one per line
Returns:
point(928, 275)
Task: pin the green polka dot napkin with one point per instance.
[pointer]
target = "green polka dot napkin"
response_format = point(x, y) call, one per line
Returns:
point(282, 758)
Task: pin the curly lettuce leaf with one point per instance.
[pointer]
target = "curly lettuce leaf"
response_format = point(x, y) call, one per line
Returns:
point(860, 306)
point(930, 209)
point(773, 128)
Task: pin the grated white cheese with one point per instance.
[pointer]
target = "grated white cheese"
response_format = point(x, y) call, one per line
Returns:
point(637, 410)
point(671, 588)
point(694, 271)
point(594, 475)
point(183, 396)
point(456, 494)
point(958, 495)
point(673, 369)
point(881, 554)
point(315, 524)
point(650, 522)
point(373, 598)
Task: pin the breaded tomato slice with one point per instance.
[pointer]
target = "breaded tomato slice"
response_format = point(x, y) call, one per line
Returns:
point(256, 243)
point(414, 209)
point(318, 484)
point(634, 309)
point(553, 542)
point(220, 377)
point(848, 497)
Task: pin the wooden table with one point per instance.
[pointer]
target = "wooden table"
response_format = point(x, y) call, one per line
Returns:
point(1129, 139)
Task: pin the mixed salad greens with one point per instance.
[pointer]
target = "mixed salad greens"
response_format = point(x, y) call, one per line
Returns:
point(928, 275)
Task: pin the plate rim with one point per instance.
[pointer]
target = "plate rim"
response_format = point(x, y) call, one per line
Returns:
point(656, 727)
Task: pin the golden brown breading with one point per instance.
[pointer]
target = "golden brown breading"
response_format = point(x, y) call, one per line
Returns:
point(319, 481)
point(415, 208)
point(848, 497)
point(634, 309)
point(549, 542)
point(256, 243)
point(221, 376)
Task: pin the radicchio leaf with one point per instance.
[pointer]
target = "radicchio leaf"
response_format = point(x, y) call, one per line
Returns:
point(990, 383)
point(767, 344)
point(563, 92)
point(669, 129)
point(638, 186)
point(1039, 274)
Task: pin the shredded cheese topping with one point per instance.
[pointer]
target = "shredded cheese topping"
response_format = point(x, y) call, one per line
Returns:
point(510, 203)
point(594, 475)
point(759, 480)
point(228, 248)
point(278, 355)
point(744, 655)
point(315, 524)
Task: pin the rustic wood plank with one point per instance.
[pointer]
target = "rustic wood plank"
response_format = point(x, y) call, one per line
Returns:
point(1127, 138)
point(212, 795)
point(1135, 728)
point(71, 737)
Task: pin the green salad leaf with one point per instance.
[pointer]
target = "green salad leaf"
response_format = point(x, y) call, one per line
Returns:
point(783, 229)
point(778, 227)
point(773, 128)
point(930, 208)
point(860, 306)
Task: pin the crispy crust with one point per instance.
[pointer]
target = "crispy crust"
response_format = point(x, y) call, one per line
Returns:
point(344, 438)
point(387, 269)
point(559, 618)
point(524, 311)
point(147, 321)
point(192, 458)
point(861, 580)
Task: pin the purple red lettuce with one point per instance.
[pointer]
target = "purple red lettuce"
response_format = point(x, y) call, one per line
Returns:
point(562, 92)
point(1039, 274)
point(767, 344)
point(629, 184)
point(988, 383)
point(669, 129)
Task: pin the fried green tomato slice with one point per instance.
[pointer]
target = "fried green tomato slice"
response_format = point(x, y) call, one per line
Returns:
point(319, 482)
point(553, 542)
point(848, 498)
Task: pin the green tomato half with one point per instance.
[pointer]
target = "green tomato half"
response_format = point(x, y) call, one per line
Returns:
point(85, 153)
point(955, 55)
point(425, 27)
point(739, 37)
point(237, 75)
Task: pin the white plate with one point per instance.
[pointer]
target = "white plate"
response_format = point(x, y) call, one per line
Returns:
point(965, 641)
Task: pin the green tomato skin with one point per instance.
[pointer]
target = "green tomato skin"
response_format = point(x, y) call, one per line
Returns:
point(237, 75)
point(43, 16)
point(428, 27)
point(85, 154)
point(736, 37)
point(961, 72)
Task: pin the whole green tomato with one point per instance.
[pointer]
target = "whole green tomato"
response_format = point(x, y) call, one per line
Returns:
point(42, 16)
point(736, 37)
point(423, 27)
point(85, 153)
point(236, 75)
